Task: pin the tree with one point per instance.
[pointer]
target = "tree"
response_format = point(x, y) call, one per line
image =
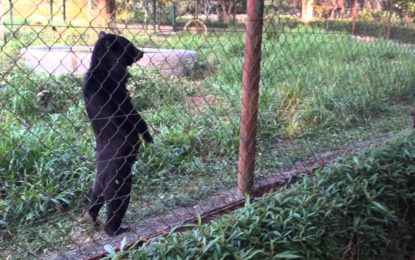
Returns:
point(400, 7)
point(407, 7)
point(372, 4)
point(104, 14)
point(297, 3)
point(1, 22)
point(307, 10)
point(227, 9)
point(106, 8)
point(330, 8)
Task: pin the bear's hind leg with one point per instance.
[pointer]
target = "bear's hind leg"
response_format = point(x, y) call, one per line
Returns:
point(95, 204)
point(97, 200)
point(117, 198)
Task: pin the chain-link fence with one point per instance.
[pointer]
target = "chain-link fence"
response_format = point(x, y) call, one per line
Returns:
point(71, 119)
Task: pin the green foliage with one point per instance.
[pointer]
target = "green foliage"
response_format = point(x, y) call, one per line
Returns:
point(311, 82)
point(408, 6)
point(355, 79)
point(327, 99)
point(361, 207)
point(43, 166)
point(325, 90)
point(29, 95)
point(369, 23)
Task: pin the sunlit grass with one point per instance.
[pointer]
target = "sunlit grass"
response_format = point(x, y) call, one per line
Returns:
point(318, 92)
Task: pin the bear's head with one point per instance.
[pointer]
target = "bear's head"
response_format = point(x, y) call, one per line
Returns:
point(115, 49)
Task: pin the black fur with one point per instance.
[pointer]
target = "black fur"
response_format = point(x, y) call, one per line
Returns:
point(117, 127)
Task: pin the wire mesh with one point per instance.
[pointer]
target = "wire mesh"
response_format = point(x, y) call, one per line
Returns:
point(323, 92)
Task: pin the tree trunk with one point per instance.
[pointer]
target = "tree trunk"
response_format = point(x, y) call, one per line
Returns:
point(297, 4)
point(307, 11)
point(342, 6)
point(227, 9)
point(354, 15)
point(372, 4)
point(389, 23)
point(377, 4)
point(1, 21)
point(105, 12)
point(338, 6)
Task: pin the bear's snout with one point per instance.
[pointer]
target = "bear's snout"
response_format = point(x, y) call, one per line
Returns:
point(140, 54)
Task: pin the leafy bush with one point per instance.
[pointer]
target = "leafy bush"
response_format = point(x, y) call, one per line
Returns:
point(29, 95)
point(400, 33)
point(43, 167)
point(361, 208)
point(371, 24)
point(320, 68)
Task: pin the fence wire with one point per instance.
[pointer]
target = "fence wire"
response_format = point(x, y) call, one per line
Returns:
point(69, 110)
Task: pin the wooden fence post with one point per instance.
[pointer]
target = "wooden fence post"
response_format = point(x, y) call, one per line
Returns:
point(250, 95)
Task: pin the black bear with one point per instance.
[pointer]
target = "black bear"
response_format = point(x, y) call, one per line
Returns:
point(117, 127)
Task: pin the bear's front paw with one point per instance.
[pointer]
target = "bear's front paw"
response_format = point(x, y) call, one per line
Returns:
point(148, 138)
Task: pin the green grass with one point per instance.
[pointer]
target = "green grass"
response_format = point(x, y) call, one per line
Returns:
point(162, 190)
point(359, 208)
point(334, 79)
point(319, 92)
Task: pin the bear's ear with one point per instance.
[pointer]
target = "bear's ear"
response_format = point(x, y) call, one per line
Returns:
point(101, 34)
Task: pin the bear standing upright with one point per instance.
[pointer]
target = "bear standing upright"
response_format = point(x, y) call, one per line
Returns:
point(117, 127)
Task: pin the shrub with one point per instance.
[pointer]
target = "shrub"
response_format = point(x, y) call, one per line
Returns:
point(43, 167)
point(361, 208)
point(30, 95)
